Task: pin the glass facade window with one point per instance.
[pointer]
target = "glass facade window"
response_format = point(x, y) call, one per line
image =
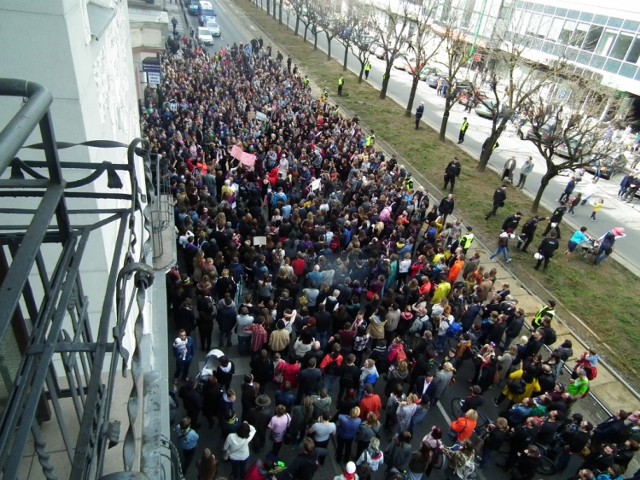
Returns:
point(592, 38)
point(567, 32)
point(556, 28)
point(579, 34)
point(631, 25)
point(606, 41)
point(614, 22)
point(634, 52)
point(628, 70)
point(597, 61)
point(612, 66)
point(600, 19)
point(621, 46)
point(586, 17)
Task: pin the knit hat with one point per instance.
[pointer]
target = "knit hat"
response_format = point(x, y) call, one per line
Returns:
point(351, 468)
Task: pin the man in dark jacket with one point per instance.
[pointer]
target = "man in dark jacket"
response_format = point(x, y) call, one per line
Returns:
point(305, 464)
point(555, 219)
point(419, 113)
point(568, 190)
point(510, 223)
point(547, 248)
point(527, 233)
point(309, 380)
point(191, 400)
point(451, 173)
point(446, 207)
point(499, 197)
point(260, 416)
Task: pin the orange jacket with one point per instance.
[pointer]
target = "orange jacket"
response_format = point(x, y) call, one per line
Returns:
point(464, 427)
point(455, 270)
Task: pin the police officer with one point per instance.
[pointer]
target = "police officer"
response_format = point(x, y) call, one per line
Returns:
point(370, 140)
point(367, 70)
point(340, 85)
point(451, 173)
point(419, 113)
point(408, 182)
point(546, 249)
point(463, 130)
point(467, 240)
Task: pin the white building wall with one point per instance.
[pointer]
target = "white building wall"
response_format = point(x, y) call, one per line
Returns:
point(94, 97)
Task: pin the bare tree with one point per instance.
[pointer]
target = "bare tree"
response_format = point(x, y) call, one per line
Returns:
point(515, 80)
point(392, 35)
point(456, 56)
point(300, 9)
point(328, 22)
point(350, 26)
point(424, 44)
point(564, 123)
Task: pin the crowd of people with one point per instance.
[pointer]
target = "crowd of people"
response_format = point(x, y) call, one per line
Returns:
point(360, 301)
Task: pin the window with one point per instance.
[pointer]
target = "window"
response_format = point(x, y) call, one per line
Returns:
point(614, 22)
point(606, 40)
point(533, 24)
point(621, 46)
point(567, 32)
point(612, 66)
point(579, 35)
point(556, 28)
point(592, 38)
point(543, 26)
point(597, 61)
point(634, 51)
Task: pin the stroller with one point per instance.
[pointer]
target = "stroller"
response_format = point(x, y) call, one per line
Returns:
point(210, 365)
point(589, 248)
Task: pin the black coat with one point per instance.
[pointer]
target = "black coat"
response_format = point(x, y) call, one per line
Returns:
point(548, 247)
point(499, 197)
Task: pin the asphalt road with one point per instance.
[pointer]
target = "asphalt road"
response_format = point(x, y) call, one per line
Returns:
point(615, 213)
point(440, 415)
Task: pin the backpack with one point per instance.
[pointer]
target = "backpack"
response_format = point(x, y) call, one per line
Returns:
point(517, 387)
point(331, 368)
point(550, 336)
point(335, 244)
point(454, 330)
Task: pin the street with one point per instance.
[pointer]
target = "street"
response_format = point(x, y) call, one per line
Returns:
point(615, 213)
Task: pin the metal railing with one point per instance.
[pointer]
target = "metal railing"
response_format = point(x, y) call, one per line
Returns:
point(61, 351)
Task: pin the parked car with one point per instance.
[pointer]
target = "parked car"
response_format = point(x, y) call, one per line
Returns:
point(477, 96)
point(562, 150)
point(401, 63)
point(485, 109)
point(432, 78)
point(460, 86)
point(214, 28)
point(609, 166)
point(379, 52)
point(528, 132)
point(205, 35)
point(194, 7)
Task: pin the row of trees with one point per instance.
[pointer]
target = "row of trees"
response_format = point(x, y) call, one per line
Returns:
point(556, 103)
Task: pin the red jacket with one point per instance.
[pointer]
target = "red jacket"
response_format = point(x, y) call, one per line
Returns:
point(368, 404)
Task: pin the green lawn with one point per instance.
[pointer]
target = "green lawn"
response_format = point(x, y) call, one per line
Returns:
point(606, 298)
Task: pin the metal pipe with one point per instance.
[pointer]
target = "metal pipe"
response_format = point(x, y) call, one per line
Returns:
point(25, 121)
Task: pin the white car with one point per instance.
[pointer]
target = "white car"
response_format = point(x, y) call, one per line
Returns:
point(205, 35)
point(214, 28)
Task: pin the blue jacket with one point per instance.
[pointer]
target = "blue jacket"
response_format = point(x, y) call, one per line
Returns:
point(187, 439)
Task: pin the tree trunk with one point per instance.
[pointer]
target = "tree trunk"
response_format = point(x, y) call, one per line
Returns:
point(346, 55)
point(328, 48)
point(280, 13)
point(268, 6)
point(412, 96)
point(315, 40)
point(445, 119)
point(544, 181)
point(274, 8)
point(306, 29)
point(361, 72)
point(295, 33)
point(486, 155)
point(385, 82)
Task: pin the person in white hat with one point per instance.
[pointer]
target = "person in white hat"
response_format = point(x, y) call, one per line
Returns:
point(349, 473)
